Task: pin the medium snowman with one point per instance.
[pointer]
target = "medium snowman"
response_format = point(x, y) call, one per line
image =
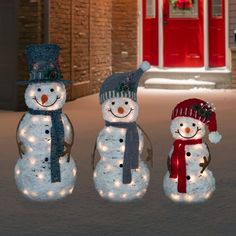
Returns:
point(120, 175)
point(45, 169)
point(189, 179)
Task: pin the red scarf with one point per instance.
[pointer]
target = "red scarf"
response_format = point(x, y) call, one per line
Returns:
point(178, 162)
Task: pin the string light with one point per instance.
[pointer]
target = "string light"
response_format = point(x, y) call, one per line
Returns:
point(32, 161)
point(50, 193)
point(124, 195)
point(62, 193)
point(32, 93)
point(40, 176)
point(25, 192)
point(101, 193)
point(71, 190)
point(117, 183)
point(110, 194)
point(31, 139)
point(122, 148)
point(17, 171)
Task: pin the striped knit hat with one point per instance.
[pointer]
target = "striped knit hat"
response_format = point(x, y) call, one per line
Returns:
point(202, 111)
point(122, 84)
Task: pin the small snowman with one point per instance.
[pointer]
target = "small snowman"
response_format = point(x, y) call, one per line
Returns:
point(45, 169)
point(120, 175)
point(189, 179)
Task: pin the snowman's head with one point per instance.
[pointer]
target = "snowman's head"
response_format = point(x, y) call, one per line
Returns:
point(120, 110)
point(45, 96)
point(187, 128)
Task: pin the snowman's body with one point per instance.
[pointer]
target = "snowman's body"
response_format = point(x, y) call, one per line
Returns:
point(33, 168)
point(199, 186)
point(200, 183)
point(108, 172)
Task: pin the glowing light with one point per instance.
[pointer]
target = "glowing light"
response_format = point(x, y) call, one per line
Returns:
point(31, 93)
point(31, 139)
point(122, 148)
point(58, 88)
point(175, 197)
point(207, 195)
point(71, 190)
point(104, 148)
point(138, 194)
point(32, 161)
point(50, 193)
point(40, 176)
point(46, 119)
point(108, 167)
point(124, 195)
point(33, 194)
point(68, 127)
point(131, 183)
point(117, 184)
point(17, 171)
point(35, 119)
point(204, 174)
point(122, 131)
point(108, 129)
point(61, 161)
point(26, 192)
point(95, 174)
point(62, 193)
point(22, 132)
point(145, 177)
point(74, 172)
point(111, 194)
point(189, 198)
point(101, 193)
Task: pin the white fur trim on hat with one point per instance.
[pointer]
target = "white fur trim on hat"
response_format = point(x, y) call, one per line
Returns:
point(145, 66)
point(214, 137)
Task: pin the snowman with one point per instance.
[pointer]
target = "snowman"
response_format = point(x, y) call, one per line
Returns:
point(45, 169)
point(120, 175)
point(188, 178)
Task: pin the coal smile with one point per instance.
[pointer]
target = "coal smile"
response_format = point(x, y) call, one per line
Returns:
point(47, 105)
point(177, 132)
point(121, 116)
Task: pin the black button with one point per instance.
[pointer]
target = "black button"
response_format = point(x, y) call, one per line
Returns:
point(46, 159)
point(46, 131)
point(188, 154)
point(121, 165)
point(121, 140)
point(188, 177)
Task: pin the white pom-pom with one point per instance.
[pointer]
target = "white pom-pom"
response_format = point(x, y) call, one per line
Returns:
point(214, 137)
point(145, 66)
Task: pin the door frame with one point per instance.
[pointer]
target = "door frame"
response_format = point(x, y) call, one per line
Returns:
point(161, 36)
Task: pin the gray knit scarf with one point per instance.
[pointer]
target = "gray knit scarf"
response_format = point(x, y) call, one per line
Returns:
point(131, 155)
point(57, 141)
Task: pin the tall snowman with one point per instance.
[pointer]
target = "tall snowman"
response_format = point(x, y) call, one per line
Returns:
point(45, 169)
point(189, 179)
point(120, 175)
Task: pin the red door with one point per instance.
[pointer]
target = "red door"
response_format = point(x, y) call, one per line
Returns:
point(183, 35)
point(150, 31)
point(216, 33)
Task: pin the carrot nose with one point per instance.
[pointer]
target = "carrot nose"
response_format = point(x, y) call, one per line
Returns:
point(187, 130)
point(44, 98)
point(121, 110)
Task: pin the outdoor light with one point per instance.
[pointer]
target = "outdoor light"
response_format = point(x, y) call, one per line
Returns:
point(188, 178)
point(45, 169)
point(121, 175)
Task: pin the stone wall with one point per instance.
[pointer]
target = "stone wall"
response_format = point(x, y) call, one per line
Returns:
point(124, 35)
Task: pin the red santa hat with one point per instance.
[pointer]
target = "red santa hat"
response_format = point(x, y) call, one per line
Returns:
point(202, 111)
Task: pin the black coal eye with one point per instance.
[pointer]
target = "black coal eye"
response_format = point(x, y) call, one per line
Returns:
point(193, 124)
point(52, 90)
point(113, 103)
point(46, 131)
point(126, 103)
point(39, 89)
point(181, 124)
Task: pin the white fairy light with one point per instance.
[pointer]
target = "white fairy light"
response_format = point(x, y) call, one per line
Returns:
point(124, 195)
point(26, 192)
point(138, 194)
point(50, 193)
point(32, 161)
point(110, 194)
point(145, 177)
point(31, 139)
point(17, 171)
point(95, 174)
point(122, 148)
point(22, 132)
point(46, 119)
point(31, 93)
point(189, 198)
point(175, 197)
point(68, 127)
point(71, 190)
point(74, 172)
point(58, 88)
point(117, 183)
point(108, 167)
point(62, 193)
point(122, 131)
point(207, 195)
point(101, 193)
point(104, 148)
point(108, 129)
point(35, 119)
point(41, 176)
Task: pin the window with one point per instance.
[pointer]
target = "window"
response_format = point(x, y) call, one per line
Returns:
point(216, 8)
point(150, 9)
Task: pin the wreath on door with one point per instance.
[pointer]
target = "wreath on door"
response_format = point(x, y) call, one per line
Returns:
point(182, 4)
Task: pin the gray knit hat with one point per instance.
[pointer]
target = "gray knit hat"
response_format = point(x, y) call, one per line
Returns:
point(122, 84)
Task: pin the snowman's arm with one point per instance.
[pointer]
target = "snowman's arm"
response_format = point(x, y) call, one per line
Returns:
point(149, 148)
point(69, 136)
point(21, 146)
point(206, 160)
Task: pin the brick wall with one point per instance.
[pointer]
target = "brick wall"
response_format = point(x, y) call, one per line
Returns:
point(124, 35)
point(30, 30)
point(83, 30)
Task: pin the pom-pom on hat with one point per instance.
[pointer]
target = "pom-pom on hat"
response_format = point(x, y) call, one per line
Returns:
point(202, 111)
point(122, 84)
point(43, 64)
